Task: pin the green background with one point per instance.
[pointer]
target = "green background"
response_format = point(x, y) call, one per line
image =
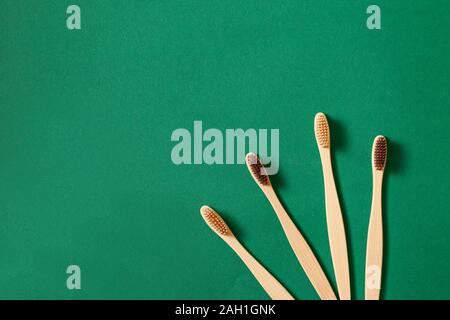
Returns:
point(86, 117)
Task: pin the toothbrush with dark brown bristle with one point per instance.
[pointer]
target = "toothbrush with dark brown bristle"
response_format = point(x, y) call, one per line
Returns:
point(374, 253)
point(335, 222)
point(303, 252)
point(271, 285)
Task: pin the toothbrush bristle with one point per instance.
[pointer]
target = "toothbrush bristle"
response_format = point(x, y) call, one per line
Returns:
point(214, 221)
point(257, 169)
point(322, 131)
point(379, 153)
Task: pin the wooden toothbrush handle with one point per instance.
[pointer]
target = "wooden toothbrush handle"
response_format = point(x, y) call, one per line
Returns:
point(336, 229)
point(374, 253)
point(304, 254)
point(274, 289)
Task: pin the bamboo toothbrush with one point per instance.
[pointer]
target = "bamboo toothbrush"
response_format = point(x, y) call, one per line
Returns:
point(271, 285)
point(374, 253)
point(335, 223)
point(299, 245)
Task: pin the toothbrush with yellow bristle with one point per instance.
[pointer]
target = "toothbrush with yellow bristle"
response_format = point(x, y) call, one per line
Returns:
point(271, 285)
point(303, 252)
point(374, 253)
point(335, 223)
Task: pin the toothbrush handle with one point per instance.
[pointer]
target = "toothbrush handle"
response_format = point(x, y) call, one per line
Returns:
point(374, 253)
point(336, 229)
point(270, 284)
point(303, 252)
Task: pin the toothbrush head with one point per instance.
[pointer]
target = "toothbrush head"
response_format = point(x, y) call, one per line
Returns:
point(257, 170)
point(322, 130)
point(379, 153)
point(215, 221)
